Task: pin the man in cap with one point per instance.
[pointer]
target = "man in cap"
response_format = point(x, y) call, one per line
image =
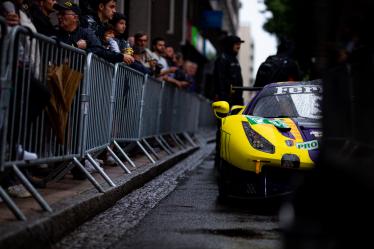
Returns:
point(70, 31)
point(227, 71)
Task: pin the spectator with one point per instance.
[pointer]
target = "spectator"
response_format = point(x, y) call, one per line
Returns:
point(169, 56)
point(98, 24)
point(70, 31)
point(141, 40)
point(131, 40)
point(118, 23)
point(178, 60)
point(109, 42)
point(138, 65)
point(27, 64)
point(158, 48)
point(40, 11)
point(227, 71)
point(191, 69)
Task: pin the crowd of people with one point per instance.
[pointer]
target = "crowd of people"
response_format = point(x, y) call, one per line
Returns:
point(99, 28)
point(95, 27)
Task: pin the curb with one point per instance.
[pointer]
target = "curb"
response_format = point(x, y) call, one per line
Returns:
point(49, 228)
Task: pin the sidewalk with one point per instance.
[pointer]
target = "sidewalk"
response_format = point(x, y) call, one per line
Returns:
point(75, 201)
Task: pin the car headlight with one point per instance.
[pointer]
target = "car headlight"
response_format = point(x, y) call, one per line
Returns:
point(257, 141)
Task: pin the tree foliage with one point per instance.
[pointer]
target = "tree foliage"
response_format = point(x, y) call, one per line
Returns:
point(281, 23)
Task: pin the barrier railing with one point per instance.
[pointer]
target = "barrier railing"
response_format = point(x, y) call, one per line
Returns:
point(206, 116)
point(44, 102)
point(168, 109)
point(97, 92)
point(3, 47)
point(83, 106)
point(128, 101)
point(150, 108)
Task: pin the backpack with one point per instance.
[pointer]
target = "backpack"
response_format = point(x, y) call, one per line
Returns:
point(275, 69)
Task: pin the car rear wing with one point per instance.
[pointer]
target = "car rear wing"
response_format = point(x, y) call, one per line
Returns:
point(245, 88)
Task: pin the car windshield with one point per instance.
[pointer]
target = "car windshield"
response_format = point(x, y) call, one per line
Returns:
point(306, 105)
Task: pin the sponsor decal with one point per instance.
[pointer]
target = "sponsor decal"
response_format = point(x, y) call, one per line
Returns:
point(317, 134)
point(310, 145)
point(298, 89)
point(276, 122)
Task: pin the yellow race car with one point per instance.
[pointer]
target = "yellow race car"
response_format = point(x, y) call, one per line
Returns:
point(263, 149)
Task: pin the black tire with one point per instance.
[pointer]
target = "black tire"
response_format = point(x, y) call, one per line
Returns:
point(222, 181)
point(217, 156)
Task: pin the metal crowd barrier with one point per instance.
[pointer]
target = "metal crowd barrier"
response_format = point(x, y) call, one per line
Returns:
point(97, 101)
point(3, 47)
point(112, 104)
point(48, 127)
point(168, 109)
point(128, 101)
point(206, 116)
point(41, 101)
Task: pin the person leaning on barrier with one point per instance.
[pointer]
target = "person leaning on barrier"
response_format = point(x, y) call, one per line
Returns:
point(98, 24)
point(138, 65)
point(119, 22)
point(141, 40)
point(70, 31)
point(27, 64)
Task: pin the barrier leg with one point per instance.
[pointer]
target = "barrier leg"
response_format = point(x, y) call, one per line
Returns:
point(100, 170)
point(163, 146)
point(145, 152)
point(166, 143)
point(11, 205)
point(88, 175)
point(120, 163)
point(150, 148)
point(189, 139)
point(180, 141)
point(180, 146)
point(43, 204)
point(124, 154)
point(58, 173)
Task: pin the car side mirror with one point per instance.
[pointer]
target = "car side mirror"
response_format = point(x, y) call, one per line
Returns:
point(221, 109)
point(236, 109)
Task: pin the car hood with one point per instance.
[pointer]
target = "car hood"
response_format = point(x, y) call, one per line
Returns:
point(306, 133)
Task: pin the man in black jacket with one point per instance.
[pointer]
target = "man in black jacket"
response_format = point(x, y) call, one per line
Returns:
point(71, 33)
point(227, 72)
point(280, 67)
point(40, 11)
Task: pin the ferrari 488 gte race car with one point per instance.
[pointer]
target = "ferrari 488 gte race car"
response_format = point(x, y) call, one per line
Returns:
point(266, 147)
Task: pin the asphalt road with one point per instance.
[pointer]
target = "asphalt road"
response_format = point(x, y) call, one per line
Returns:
point(179, 209)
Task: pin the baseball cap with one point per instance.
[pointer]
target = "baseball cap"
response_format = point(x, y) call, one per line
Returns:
point(68, 5)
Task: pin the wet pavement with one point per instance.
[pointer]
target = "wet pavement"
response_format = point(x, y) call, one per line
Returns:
point(179, 209)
